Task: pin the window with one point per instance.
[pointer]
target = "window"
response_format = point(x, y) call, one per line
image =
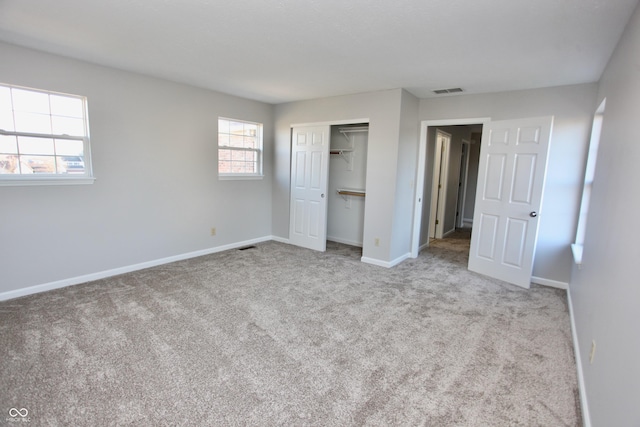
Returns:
point(239, 149)
point(44, 137)
point(589, 175)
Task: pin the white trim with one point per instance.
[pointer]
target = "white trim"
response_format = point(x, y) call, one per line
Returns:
point(121, 270)
point(455, 122)
point(331, 123)
point(463, 199)
point(386, 264)
point(344, 241)
point(419, 194)
point(577, 251)
point(280, 239)
point(468, 222)
point(549, 282)
point(239, 177)
point(584, 404)
point(50, 180)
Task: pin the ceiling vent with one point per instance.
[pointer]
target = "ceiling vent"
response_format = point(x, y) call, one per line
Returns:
point(451, 90)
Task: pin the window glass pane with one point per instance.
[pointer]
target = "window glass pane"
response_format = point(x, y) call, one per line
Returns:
point(29, 145)
point(223, 126)
point(5, 99)
point(30, 101)
point(32, 123)
point(224, 166)
point(6, 120)
point(67, 126)
point(9, 164)
point(69, 147)
point(8, 144)
point(223, 140)
point(70, 164)
point(237, 155)
point(250, 142)
point(236, 128)
point(66, 106)
point(224, 154)
point(39, 164)
point(236, 141)
point(250, 129)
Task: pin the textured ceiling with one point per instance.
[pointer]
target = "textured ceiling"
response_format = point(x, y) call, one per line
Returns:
point(285, 50)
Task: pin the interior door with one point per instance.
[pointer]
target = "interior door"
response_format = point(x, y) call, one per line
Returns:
point(439, 190)
point(309, 181)
point(511, 175)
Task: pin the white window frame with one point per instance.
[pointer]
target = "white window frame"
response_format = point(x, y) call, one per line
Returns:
point(259, 153)
point(45, 178)
point(589, 175)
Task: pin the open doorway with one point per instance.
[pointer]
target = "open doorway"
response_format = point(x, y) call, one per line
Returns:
point(457, 170)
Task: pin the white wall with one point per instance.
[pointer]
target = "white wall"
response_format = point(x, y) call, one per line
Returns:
point(345, 214)
point(472, 178)
point(572, 107)
point(156, 192)
point(382, 111)
point(605, 293)
point(406, 175)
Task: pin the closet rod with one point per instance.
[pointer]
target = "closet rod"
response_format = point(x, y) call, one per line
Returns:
point(349, 192)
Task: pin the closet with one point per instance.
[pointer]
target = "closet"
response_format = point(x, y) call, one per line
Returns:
point(347, 183)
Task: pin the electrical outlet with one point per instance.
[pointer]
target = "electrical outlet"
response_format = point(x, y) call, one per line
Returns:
point(213, 231)
point(593, 351)
point(376, 241)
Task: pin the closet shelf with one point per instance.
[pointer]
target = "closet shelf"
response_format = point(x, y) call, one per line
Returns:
point(350, 192)
point(353, 129)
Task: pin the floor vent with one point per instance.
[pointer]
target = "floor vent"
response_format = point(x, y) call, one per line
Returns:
point(244, 248)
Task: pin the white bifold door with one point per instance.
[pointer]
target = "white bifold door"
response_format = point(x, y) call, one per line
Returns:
point(511, 175)
point(309, 182)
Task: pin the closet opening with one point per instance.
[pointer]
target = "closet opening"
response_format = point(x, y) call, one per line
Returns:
point(347, 188)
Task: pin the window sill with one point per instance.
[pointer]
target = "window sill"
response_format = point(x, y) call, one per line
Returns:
point(239, 177)
point(58, 180)
point(577, 249)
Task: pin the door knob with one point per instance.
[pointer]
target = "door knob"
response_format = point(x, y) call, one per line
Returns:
point(533, 214)
point(322, 195)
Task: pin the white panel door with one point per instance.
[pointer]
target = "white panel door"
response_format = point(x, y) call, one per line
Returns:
point(309, 181)
point(511, 175)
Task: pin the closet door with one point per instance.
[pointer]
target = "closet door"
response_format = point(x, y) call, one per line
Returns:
point(309, 181)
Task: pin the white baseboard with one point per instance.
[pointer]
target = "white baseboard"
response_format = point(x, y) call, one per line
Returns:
point(344, 241)
point(549, 282)
point(468, 222)
point(121, 270)
point(386, 264)
point(280, 239)
point(584, 404)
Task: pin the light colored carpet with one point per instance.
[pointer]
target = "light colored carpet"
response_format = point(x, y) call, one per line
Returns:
point(282, 336)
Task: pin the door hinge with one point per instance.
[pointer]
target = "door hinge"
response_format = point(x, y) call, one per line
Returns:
point(437, 222)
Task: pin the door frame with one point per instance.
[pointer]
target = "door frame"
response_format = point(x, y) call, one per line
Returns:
point(462, 187)
point(422, 161)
